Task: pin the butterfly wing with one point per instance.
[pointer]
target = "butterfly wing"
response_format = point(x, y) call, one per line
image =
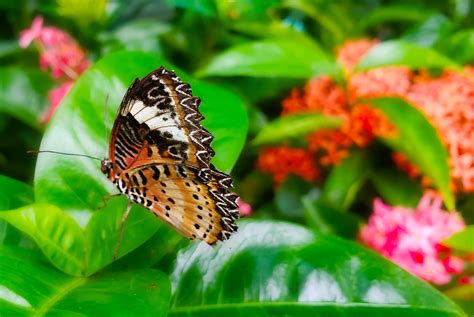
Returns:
point(159, 121)
point(198, 210)
point(161, 156)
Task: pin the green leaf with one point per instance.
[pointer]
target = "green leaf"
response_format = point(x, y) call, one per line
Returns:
point(56, 233)
point(77, 185)
point(272, 268)
point(419, 141)
point(460, 46)
point(462, 240)
point(396, 188)
point(345, 180)
point(205, 7)
point(296, 57)
point(30, 287)
point(9, 48)
point(397, 12)
point(102, 233)
point(23, 93)
point(14, 194)
point(288, 197)
point(321, 15)
point(402, 53)
point(463, 295)
point(137, 35)
point(431, 31)
point(248, 10)
point(294, 126)
point(326, 220)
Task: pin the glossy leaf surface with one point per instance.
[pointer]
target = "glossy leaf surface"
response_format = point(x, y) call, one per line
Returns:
point(274, 57)
point(271, 268)
point(30, 287)
point(406, 54)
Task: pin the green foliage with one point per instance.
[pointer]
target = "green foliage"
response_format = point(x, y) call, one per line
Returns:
point(288, 270)
point(407, 54)
point(345, 180)
point(462, 240)
point(294, 126)
point(23, 93)
point(50, 292)
point(242, 58)
point(274, 57)
point(413, 131)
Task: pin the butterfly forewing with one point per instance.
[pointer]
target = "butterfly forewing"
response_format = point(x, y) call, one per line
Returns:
point(160, 157)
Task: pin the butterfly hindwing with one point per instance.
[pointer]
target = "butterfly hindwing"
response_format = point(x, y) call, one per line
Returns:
point(160, 158)
point(174, 193)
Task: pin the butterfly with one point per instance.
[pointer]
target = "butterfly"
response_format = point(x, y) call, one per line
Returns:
point(159, 157)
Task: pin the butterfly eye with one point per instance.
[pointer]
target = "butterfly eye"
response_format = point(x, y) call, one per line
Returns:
point(106, 166)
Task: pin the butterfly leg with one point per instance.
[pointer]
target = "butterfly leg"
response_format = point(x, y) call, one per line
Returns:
point(105, 199)
point(122, 224)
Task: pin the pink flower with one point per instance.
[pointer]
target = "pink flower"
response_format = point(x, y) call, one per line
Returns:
point(412, 238)
point(29, 35)
point(58, 50)
point(244, 208)
point(55, 96)
point(60, 53)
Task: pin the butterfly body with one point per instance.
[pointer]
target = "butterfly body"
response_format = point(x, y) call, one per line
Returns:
point(159, 157)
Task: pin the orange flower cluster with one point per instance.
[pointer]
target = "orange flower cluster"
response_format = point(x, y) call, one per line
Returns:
point(283, 161)
point(447, 100)
point(361, 123)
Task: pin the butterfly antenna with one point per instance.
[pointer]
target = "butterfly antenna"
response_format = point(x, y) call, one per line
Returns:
point(122, 226)
point(62, 153)
point(106, 110)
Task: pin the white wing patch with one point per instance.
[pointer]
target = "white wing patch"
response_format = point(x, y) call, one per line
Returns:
point(163, 122)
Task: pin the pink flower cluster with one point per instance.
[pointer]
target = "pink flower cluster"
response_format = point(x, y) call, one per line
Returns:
point(412, 238)
point(60, 53)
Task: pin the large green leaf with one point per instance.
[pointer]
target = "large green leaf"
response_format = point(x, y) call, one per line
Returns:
point(77, 186)
point(402, 53)
point(293, 126)
point(83, 252)
point(23, 93)
point(278, 269)
point(55, 232)
point(296, 57)
point(30, 287)
point(419, 141)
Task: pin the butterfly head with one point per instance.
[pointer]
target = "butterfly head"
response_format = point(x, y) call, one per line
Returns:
point(106, 167)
